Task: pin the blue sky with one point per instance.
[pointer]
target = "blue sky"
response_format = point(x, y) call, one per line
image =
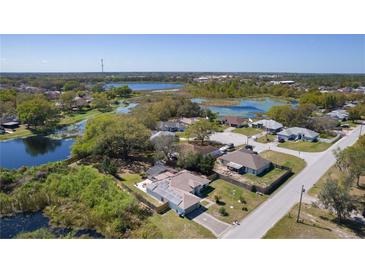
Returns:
point(241, 53)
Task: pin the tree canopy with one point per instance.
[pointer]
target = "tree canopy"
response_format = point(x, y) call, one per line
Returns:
point(112, 135)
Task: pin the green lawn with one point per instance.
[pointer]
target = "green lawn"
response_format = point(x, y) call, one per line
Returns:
point(130, 180)
point(230, 196)
point(305, 146)
point(265, 180)
point(248, 131)
point(317, 224)
point(266, 139)
point(19, 132)
point(295, 163)
point(171, 226)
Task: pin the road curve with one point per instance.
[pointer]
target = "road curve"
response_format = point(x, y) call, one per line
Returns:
point(264, 217)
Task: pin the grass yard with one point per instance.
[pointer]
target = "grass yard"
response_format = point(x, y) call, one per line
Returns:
point(19, 132)
point(171, 226)
point(317, 224)
point(305, 146)
point(266, 139)
point(130, 180)
point(295, 163)
point(248, 131)
point(230, 200)
point(267, 179)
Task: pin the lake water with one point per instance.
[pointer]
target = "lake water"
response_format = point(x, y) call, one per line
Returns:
point(33, 151)
point(246, 108)
point(19, 223)
point(38, 150)
point(140, 86)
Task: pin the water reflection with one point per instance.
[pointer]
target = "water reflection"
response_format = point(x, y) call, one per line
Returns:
point(39, 145)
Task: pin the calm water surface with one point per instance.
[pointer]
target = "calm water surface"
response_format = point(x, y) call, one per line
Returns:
point(139, 86)
point(246, 108)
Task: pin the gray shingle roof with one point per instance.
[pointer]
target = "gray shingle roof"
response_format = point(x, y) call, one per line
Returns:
point(245, 159)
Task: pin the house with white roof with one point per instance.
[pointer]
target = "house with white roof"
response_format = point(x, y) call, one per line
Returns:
point(270, 126)
point(339, 114)
point(298, 133)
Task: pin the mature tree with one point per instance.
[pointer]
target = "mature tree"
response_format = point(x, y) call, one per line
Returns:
point(38, 112)
point(354, 114)
point(67, 99)
point(336, 197)
point(99, 87)
point(101, 102)
point(73, 85)
point(112, 135)
point(123, 91)
point(351, 162)
point(283, 114)
point(201, 130)
point(165, 146)
point(196, 162)
point(323, 124)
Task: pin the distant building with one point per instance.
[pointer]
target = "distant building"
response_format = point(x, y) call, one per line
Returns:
point(270, 126)
point(340, 114)
point(286, 82)
point(298, 133)
point(172, 126)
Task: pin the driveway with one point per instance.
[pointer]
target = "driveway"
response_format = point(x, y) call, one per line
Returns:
point(201, 217)
point(229, 137)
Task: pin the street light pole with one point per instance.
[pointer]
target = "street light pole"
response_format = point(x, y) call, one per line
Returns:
point(300, 203)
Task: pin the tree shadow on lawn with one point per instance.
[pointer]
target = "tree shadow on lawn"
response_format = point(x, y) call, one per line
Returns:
point(315, 225)
point(356, 227)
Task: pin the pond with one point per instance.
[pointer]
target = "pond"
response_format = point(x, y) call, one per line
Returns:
point(140, 86)
point(19, 223)
point(38, 150)
point(246, 108)
point(33, 151)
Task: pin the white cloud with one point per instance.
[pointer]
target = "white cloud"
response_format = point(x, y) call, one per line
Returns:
point(44, 61)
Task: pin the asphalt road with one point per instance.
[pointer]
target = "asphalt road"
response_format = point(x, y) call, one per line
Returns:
point(256, 224)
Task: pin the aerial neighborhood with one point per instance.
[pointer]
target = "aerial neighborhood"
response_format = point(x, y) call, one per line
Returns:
point(196, 163)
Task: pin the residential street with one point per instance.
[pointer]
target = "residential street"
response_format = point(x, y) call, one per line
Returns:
point(256, 224)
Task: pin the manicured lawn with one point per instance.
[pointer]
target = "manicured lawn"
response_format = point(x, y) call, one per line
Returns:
point(317, 224)
point(130, 180)
point(305, 146)
point(295, 163)
point(267, 179)
point(19, 132)
point(248, 131)
point(174, 227)
point(230, 200)
point(266, 139)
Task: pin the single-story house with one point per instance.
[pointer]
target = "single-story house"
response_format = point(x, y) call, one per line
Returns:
point(53, 94)
point(298, 133)
point(242, 161)
point(269, 125)
point(159, 171)
point(339, 114)
point(172, 126)
point(179, 191)
point(234, 121)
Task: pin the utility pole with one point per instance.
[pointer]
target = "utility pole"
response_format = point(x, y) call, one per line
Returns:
point(102, 65)
point(300, 203)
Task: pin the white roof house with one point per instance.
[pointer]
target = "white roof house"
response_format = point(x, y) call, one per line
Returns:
point(340, 114)
point(298, 132)
point(268, 124)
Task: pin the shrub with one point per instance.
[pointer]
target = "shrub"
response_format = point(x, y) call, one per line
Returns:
point(223, 211)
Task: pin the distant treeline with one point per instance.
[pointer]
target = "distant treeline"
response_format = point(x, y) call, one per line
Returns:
point(236, 89)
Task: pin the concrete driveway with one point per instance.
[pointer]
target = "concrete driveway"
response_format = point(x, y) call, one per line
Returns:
point(229, 137)
point(201, 217)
